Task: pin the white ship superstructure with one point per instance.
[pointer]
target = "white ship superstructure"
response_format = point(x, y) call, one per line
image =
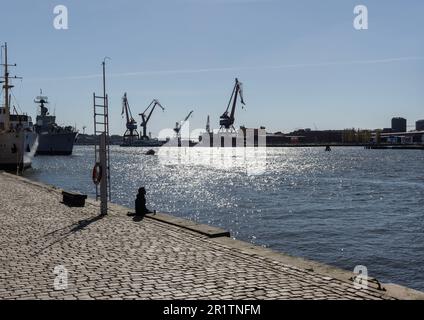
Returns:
point(17, 138)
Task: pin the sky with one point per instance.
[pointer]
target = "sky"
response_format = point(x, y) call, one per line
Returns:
point(302, 62)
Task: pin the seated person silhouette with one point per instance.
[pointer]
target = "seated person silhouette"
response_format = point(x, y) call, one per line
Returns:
point(140, 204)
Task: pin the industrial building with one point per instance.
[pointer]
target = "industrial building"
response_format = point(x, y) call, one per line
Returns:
point(419, 125)
point(412, 137)
point(399, 125)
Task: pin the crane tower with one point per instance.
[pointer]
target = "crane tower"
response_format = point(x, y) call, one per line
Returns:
point(131, 133)
point(227, 119)
point(146, 117)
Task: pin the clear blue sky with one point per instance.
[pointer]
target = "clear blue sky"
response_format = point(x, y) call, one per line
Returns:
point(298, 60)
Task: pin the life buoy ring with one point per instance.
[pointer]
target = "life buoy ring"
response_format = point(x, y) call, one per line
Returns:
point(97, 173)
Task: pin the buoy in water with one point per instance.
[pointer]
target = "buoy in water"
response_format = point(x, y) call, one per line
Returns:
point(327, 148)
point(151, 152)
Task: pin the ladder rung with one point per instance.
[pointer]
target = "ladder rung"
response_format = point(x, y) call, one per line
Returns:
point(100, 123)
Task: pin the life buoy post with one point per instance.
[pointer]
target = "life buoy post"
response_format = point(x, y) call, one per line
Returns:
point(97, 173)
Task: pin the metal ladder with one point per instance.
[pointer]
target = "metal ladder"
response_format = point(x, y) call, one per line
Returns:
point(101, 125)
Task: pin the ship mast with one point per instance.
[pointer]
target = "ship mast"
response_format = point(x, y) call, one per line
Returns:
point(6, 88)
point(6, 91)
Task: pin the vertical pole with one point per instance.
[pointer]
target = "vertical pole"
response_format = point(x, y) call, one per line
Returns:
point(103, 181)
point(6, 91)
point(103, 151)
point(107, 146)
point(104, 80)
point(106, 127)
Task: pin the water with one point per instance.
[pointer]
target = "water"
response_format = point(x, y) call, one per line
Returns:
point(347, 207)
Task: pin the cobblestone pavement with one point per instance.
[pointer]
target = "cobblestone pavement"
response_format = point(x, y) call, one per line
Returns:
point(118, 258)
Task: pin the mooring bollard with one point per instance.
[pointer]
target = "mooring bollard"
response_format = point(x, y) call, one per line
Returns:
point(73, 199)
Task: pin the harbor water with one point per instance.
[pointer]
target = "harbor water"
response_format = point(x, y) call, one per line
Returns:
point(346, 207)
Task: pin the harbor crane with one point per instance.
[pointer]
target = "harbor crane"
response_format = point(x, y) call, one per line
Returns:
point(131, 132)
point(179, 125)
point(145, 119)
point(227, 120)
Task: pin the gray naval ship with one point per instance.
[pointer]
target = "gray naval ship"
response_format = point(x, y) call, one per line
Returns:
point(52, 139)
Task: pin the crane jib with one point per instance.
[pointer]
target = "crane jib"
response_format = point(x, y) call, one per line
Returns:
point(145, 120)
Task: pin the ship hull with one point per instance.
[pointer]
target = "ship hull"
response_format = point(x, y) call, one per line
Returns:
point(56, 143)
point(143, 143)
point(17, 150)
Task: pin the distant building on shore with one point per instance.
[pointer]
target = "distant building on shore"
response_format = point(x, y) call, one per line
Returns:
point(312, 137)
point(419, 125)
point(399, 124)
